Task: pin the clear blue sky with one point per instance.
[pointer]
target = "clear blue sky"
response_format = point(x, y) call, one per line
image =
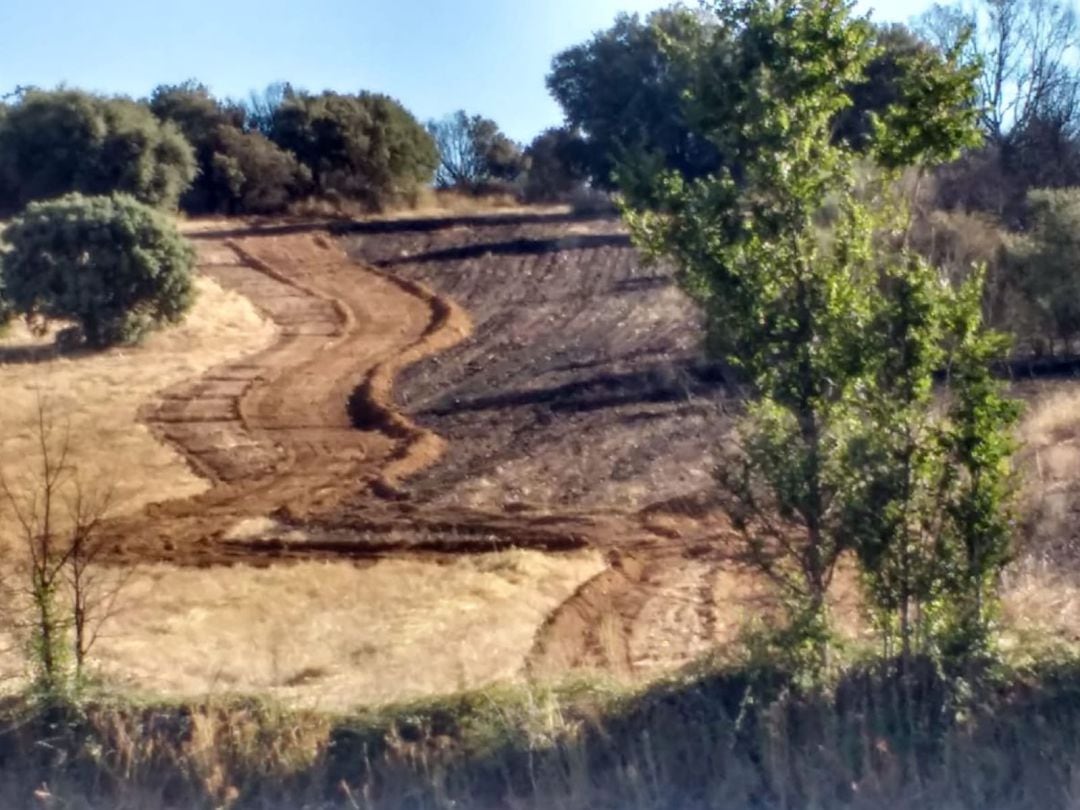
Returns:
point(436, 56)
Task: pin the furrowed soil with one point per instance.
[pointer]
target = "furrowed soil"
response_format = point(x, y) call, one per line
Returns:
point(455, 387)
point(437, 394)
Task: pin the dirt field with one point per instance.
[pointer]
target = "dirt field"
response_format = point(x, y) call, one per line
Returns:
point(484, 443)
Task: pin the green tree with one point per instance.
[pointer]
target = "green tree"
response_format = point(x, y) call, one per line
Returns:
point(556, 164)
point(52, 143)
point(116, 267)
point(812, 293)
point(250, 174)
point(239, 171)
point(785, 303)
point(365, 147)
point(980, 480)
point(473, 151)
point(1044, 264)
point(623, 90)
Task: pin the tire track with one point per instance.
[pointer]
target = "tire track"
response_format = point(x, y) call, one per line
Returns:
point(310, 421)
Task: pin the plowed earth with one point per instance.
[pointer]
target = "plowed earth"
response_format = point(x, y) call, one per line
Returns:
point(456, 386)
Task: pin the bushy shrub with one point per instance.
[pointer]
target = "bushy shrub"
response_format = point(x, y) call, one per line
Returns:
point(556, 161)
point(115, 266)
point(365, 147)
point(1044, 264)
point(252, 175)
point(240, 172)
point(56, 142)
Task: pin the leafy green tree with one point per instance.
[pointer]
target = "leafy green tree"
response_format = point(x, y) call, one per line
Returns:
point(365, 147)
point(623, 89)
point(897, 47)
point(52, 143)
point(980, 481)
point(1044, 263)
point(814, 296)
point(116, 267)
point(251, 174)
point(784, 305)
point(556, 163)
point(473, 151)
point(239, 171)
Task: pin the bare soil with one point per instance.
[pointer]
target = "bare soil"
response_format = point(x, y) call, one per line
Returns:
point(461, 386)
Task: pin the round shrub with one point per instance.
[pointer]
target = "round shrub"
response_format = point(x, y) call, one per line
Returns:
point(61, 141)
point(113, 265)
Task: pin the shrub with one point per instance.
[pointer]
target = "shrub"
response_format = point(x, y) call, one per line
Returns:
point(113, 265)
point(1045, 264)
point(239, 172)
point(365, 147)
point(56, 142)
point(251, 174)
point(556, 162)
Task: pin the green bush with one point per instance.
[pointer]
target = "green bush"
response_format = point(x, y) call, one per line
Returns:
point(240, 172)
point(365, 147)
point(556, 161)
point(1044, 264)
point(56, 142)
point(116, 267)
point(252, 175)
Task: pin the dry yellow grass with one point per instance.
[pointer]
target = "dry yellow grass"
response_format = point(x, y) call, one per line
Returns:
point(330, 635)
point(335, 635)
point(97, 397)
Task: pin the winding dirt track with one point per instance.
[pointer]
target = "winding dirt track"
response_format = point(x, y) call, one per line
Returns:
point(305, 443)
point(299, 427)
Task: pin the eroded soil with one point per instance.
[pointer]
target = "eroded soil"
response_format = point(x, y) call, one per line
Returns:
point(456, 386)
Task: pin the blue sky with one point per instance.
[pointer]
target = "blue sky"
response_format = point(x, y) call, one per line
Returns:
point(436, 56)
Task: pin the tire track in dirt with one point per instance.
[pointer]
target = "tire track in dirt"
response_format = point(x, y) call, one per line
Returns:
point(574, 391)
point(308, 422)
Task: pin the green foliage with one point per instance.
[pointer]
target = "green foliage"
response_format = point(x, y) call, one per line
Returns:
point(240, 172)
point(473, 151)
point(626, 88)
point(116, 267)
point(52, 143)
point(1044, 264)
point(785, 304)
point(835, 324)
point(980, 481)
point(365, 147)
point(623, 90)
point(556, 162)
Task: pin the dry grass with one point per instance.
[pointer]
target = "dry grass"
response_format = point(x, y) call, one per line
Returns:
point(334, 635)
point(97, 397)
point(428, 203)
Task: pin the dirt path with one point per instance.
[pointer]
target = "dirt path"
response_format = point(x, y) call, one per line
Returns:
point(310, 421)
point(310, 456)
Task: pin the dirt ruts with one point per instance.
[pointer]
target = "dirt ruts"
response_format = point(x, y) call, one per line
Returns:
point(577, 382)
point(296, 429)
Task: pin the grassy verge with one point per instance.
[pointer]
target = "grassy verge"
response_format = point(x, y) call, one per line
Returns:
point(728, 738)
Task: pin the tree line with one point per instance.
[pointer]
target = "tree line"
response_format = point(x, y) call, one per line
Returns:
point(182, 147)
